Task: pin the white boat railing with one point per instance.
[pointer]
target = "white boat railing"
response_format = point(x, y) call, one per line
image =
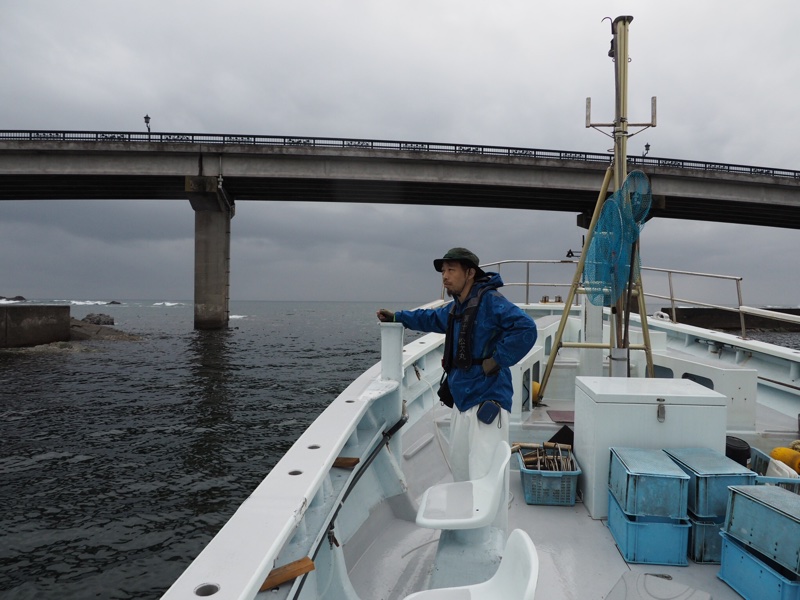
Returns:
point(530, 283)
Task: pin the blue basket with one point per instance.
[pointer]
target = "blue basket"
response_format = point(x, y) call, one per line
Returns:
point(767, 519)
point(710, 473)
point(753, 576)
point(649, 540)
point(705, 543)
point(647, 483)
point(549, 487)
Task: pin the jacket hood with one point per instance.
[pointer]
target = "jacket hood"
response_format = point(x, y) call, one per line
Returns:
point(492, 280)
point(489, 280)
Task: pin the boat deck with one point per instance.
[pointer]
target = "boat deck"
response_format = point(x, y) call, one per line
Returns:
point(578, 557)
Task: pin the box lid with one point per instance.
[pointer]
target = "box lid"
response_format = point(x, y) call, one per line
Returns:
point(777, 498)
point(648, 461)
point(705, 461)
point(639, 390)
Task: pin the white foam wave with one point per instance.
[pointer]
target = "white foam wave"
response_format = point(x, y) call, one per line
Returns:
point(169, 304)
point(88, 302)
point(238, 316)
point(9, 301)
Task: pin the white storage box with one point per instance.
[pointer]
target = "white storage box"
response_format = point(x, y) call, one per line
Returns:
point(641, 413)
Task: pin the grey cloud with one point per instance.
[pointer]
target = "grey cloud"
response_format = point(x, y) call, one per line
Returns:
point(514, 74)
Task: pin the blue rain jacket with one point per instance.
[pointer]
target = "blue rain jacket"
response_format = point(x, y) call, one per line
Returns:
point(502, 330)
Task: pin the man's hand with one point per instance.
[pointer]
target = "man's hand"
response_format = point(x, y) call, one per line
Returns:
point(385, 316)
point(490, 366)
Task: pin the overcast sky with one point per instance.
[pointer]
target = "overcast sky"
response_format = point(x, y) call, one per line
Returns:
point(726, 74)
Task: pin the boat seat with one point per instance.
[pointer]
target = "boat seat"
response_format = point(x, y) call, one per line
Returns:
point(466, 504)
point(515, 578)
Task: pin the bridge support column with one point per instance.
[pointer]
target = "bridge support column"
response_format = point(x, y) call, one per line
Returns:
point(212, 250)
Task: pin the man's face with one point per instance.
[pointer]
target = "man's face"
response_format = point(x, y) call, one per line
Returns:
point(455, 277)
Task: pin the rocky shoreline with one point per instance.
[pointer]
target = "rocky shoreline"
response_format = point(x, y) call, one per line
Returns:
point(88, 329)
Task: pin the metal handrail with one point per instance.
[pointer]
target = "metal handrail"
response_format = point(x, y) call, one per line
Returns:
point(372, 144)
point(672, 298)
point(528, 284)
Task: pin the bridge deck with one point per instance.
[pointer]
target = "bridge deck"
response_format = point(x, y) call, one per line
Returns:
point(119, 165)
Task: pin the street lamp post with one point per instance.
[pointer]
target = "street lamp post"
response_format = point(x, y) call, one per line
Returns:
point(147, 122)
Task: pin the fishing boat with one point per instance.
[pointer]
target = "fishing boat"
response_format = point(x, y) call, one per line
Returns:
point(363, 505)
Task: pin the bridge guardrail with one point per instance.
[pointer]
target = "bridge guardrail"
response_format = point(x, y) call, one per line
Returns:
point(370, 144)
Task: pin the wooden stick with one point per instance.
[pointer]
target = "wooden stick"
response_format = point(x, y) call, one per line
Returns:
point(530, 446)
point(526, 445)
point(557, 446)
point(346, 462)
point(281, 575)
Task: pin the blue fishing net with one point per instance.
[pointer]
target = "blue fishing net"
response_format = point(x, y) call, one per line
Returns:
point(607, 268)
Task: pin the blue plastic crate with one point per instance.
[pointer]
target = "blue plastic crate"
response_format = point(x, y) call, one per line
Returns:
point(705, 543)
point(752, 576)
point(649, 540)
point(648, 483)
point(710, 473)
point(549, 487)
point(759, 461)
point(767, 519)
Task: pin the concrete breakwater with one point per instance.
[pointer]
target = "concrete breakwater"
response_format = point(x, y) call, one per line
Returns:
point(33, 325)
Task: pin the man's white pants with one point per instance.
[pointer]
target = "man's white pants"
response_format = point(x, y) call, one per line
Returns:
point(472, 443)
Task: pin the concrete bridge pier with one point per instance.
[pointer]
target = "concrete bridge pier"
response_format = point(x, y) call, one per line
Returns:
point(213, 211)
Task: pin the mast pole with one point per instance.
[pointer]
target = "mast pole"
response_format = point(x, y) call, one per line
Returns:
point(619, 344)
point(619, 53)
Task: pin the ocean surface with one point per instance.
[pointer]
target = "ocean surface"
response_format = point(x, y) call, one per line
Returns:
point(120, 460)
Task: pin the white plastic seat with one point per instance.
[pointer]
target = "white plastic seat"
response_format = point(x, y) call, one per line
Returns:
point(466, 504)
point(515, 578)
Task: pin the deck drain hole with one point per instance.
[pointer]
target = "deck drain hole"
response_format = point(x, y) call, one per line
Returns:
point(314, 447)
point(295, 472)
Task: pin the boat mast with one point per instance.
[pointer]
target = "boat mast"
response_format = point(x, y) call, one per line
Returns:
point(619, 168)
point(619, 54)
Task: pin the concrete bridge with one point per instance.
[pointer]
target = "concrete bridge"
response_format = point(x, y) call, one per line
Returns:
point(215, 171)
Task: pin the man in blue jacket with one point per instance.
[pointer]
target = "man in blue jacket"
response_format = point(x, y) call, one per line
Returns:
point(488, 335)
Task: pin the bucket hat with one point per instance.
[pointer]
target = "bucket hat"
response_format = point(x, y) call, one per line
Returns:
point(463, 256)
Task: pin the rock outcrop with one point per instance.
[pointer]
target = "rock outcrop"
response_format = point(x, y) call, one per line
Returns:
point(83, 330)
point(98, 319)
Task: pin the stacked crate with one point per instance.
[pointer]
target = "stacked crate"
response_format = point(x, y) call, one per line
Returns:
point(647, 506)
point(710, 473)
point(761, 543)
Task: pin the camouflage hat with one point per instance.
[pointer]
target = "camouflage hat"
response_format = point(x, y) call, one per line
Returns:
point(461, 255)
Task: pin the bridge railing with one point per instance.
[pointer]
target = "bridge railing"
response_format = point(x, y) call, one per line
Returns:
point(531, 282)
point(395, 145)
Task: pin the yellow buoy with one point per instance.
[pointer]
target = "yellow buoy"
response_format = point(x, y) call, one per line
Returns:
point(787, 456)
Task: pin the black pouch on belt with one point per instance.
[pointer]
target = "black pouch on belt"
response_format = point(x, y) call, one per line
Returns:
point(488, 411)
point(445, 396)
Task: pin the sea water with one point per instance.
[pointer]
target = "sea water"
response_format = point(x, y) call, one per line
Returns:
point(119, 461)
